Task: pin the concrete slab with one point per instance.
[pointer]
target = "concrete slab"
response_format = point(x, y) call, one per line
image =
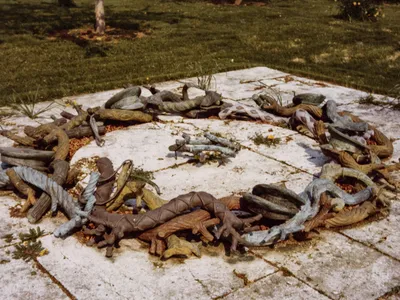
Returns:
point(16, 225)
point(276, 286)
point(21, 280)
point(294, 149)
point(383, 235)
point(338, 267)
point(134, 274)
point(146, 144)
point(226, 274)
point(240, 175)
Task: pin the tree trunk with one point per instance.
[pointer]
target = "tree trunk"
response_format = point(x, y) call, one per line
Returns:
point(100, 19)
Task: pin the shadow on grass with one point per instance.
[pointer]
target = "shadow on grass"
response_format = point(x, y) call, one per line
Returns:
point(47, 18)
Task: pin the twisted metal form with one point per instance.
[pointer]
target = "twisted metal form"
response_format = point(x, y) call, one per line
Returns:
point(61, 198)
point(311, 196)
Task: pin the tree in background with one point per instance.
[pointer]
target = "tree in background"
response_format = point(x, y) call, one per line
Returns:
point(100, 19)
point(100, 25)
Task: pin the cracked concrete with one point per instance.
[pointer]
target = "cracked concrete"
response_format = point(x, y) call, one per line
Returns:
point(358, 263)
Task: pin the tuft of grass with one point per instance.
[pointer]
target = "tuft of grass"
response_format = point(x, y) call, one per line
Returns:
point(27, 106)
point(268, 141)
point(140, 173)
point(370, 99)
point(205, 81)
point(395, 104)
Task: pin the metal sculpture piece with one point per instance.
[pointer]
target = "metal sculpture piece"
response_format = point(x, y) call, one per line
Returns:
point(322, 204)
point(311, 199)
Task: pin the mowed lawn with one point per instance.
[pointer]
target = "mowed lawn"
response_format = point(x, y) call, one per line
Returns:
point(188, 38)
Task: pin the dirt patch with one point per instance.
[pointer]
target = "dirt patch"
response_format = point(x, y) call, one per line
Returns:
point(76, 144)
point(83, 35)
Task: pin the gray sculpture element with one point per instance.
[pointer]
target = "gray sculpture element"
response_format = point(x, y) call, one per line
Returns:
point(311, 197)
point(59, 197)
point(343, 123)
point(80, 217)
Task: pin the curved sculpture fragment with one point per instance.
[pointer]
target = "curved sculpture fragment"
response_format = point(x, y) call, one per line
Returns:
point(311, 196)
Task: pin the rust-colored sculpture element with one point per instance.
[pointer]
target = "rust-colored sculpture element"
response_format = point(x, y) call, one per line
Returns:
point(197, 221)
point(23, 188)
point(271, 105)
point(351, 216)
point(106, 180)
point(123, 224)
point(178, 246)
point(22, 140)
point(121, 115)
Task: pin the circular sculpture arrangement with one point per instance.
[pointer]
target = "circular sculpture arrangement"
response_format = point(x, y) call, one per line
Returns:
point(116, 203)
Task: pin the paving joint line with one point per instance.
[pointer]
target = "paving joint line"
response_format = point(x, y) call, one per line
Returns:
point(245, 285)
point(267, 156)
point(204, 286)
point(277, 160)
point(54, 280)
point(286, 270)
point(369, 246)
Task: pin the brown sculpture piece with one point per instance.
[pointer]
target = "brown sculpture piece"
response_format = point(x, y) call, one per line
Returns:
point(197, 221)
point(271, 105)
point(123, 224)
point(23, 188)
point(351, 216)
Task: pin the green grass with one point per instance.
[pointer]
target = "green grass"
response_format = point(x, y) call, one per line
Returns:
point(302, 37)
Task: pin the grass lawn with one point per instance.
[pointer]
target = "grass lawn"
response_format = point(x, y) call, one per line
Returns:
point(187, 38)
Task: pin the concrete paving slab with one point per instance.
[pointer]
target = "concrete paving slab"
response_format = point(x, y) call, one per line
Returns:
point(134, 274)
point(226, 274)
point(240, 175)
point(146, 144)
point(396, 152)
point(277, 286)
point(16, 225)
point(295, 149)
point(23, 280)
point(383, 235)
point(338, 267)
point(88, 274)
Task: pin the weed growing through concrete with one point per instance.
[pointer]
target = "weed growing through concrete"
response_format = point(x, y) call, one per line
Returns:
point(371, 100)
point(140, 173)
point(269, 140)
point(8, 238)
point(29, 250)
point(32, 235)
point(31, 247)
